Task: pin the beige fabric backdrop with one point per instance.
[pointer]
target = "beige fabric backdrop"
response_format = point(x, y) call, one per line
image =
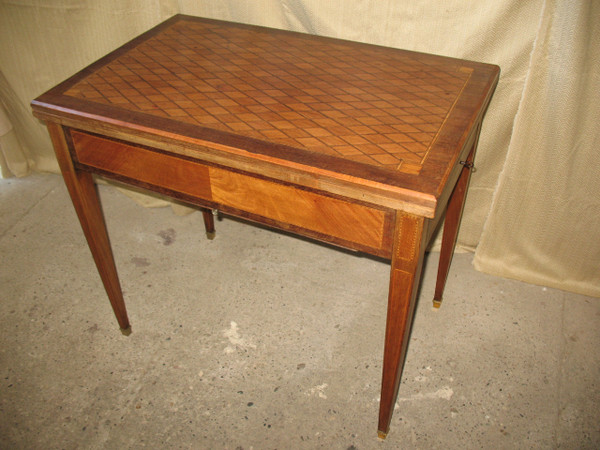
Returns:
point(544, 225)
point(532, 211)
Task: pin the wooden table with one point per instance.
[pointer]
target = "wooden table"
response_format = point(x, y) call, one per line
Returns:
point(357, 145)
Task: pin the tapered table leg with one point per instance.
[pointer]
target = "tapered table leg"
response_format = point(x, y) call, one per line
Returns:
point(407, 260)
point(209, 223)
point(85, 198)
point(451, 225)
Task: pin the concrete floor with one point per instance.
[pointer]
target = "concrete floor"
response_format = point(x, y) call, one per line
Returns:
point(261, 340)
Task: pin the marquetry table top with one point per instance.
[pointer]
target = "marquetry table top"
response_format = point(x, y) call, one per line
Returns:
point(368, 111)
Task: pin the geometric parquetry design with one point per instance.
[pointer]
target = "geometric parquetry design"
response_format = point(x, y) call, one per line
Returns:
point(368, 105)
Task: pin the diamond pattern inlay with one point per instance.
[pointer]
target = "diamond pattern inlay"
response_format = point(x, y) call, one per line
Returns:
point(369, 105)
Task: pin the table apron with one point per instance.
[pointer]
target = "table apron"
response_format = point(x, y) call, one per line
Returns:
point(332, 219)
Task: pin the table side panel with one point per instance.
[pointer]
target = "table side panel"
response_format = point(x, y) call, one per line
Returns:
point(300, 208)
point(295, 209)
point(137, 163)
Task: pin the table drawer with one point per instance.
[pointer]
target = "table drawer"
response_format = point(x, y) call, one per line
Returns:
point(141, 164)
point(299, 208)
point(293, 208)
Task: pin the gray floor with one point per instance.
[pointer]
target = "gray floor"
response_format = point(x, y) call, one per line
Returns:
point(261, 340)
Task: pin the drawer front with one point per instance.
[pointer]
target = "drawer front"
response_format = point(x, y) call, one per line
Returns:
point(299, 208)
point(327, 218)
point(137, 163)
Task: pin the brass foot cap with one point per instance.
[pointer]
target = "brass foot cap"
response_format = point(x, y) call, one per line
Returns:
point(211, 234)
point(126, 331)
point(437, 303)
point(381, 435)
